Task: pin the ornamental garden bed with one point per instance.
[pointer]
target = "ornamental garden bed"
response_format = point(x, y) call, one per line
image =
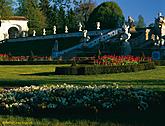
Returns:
point(108, 64)
point(65, 99)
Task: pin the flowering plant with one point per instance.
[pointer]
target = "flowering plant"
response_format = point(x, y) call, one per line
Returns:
point(3, 57)
point(120, 60)
point(61, 97)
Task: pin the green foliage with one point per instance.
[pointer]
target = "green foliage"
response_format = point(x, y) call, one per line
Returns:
point(152, 25)
point(90, 99)
point(92, 69)
point(108, 14)
point(84, 10)
point(5, 9)
point(140, 23)
point(46, 8)
point(31, 10)
point(60, 13)
point(23, 75)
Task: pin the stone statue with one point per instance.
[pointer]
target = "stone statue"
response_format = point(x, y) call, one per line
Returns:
point(23, 34)
point(130, 20)
point(159, 14)
point(88, 38)
point(101, 39)
point(98, 25)
point(126, 30)
point(66, 29)
point(55, 48)
point(34, 33)
point(85, 33)
point(162, 42)
point(54, 30)
point(126, 47)
point(80, 26)
point(44, 31)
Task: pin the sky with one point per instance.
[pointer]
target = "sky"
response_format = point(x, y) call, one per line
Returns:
point(149, 9)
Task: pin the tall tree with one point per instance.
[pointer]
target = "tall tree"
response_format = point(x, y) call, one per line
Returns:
point(71, 20)
point(60, 13)
point(84, 10)
point(140, 23)
point(109, 14)
point(5, 8)
point(61, 19)
point(31, 10)
point(46, 8)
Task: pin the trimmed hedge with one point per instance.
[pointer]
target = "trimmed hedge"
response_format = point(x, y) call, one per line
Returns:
point(33, 62)
point(159, 62)
point(101, 69)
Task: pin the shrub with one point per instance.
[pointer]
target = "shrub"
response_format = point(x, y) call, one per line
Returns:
point(159, 62)
point(59, 98)
point(102, 69)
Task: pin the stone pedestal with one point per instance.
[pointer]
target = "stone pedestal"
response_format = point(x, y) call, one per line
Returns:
point(126, 48)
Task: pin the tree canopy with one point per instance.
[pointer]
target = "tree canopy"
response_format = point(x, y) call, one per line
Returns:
point(5, 8)
point(109, 14)
point(140, 23)
point(47, 13)
point(31, 10)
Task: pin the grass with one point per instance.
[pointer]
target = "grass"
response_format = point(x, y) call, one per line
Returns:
point(28, 121)
point(11, 76)
point(22, 75)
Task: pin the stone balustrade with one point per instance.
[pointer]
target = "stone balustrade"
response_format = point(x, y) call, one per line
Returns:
point(57, 36)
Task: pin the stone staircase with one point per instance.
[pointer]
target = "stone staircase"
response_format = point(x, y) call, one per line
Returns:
point(57, 36)
point(77, 48)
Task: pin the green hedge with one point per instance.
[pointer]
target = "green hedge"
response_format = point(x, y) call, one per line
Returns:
point(159, 62)
point(101, 69)
point(33, 62)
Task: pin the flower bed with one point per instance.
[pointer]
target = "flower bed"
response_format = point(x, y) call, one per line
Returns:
point(120, 60)
point(60, 98)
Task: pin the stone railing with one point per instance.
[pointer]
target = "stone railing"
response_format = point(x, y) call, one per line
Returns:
point(57, 36)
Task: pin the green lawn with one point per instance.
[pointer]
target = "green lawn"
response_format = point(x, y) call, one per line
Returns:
point(28, 121)
point(43, 74)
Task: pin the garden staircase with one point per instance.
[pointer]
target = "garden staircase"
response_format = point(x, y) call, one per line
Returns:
point(56, 36)
point(75, 49)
